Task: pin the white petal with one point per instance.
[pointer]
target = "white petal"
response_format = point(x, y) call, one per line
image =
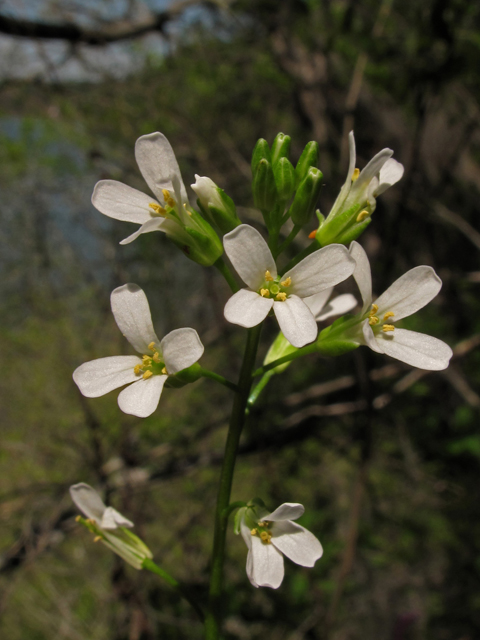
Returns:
point(133, 317)
point(371, 170)
point(247, 308)
point(317, 302)
point(370, 339)
point(390, 173)
point(98, 377)
point(246, 535)
point(181, 348)
point(267, 564)
point(158, 164)
point(298, 544)
point(249, 254)
point(416, 349)
point(322, 269)
point(154, 224)
point(141, 398)
point(362, 274)
point(249, 568)
point(286, 511)
point(112, 519)
point(117, 200)
point(337, 206)
point(88, 501)
point(296, 321)
point(410, 293)
point(338, 307)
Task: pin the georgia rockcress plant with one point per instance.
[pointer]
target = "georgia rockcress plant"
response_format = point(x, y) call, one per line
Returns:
point(297, 295)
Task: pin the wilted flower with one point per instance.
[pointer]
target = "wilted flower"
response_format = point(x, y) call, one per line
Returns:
point(178, 350)
point(254, 263)
point(405, 296)
point(109, 526)
point(269, 535)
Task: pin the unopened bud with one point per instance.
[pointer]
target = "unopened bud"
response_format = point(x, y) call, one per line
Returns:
point(280, 147)
point(263, 186)
point(261, 151)
point(215, 204)
point(284, 178)
point(309, 158)
point(306, 197)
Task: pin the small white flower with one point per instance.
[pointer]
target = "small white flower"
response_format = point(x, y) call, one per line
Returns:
point(178, 350)
point(269, 535)
point(363, 187)
point(405, 296)
point(254, 263)
point(109, 526)
point(159, 167)
point(207, 192)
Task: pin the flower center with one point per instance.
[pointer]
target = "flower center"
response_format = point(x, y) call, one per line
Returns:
point(151, 365)
point(274, 287)
point(157, 210)
point(263, 532)
point(374, 320)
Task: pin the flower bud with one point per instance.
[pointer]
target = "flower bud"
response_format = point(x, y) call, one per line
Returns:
point(284, 178)
point(184, 377)
point(263, 186)
point(306, 197)
point(261, 151)
point(280, 147)
point(199, 242)
point(215, 204)
point(309, 158)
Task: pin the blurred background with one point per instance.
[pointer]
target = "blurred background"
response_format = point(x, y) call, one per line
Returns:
point(385, 458)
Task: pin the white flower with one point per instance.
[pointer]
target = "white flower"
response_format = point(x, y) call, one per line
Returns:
point(405, 296)
point(254, 263)
point(269, 535)
point(363, 187)
point(207, 192)
point(159, 167)
point(178, 350)
point(109, 526)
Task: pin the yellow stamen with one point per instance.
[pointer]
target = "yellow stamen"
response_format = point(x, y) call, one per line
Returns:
point(148, 374)
point(90, 521)
point(287, 282)
point(78, 518)
point(373, 310)
point(373, 320)
point(164, 371)
point(168, 198)
point(137, 369)
point(264, 524)
point(388, 315)
point(97, 538)
point(266, 536)
point(388, 327)
point(355, 175)
point(265, 293)
point(156, 357)
point(151, 346)
point(253, 532)
point(362, 215)
point(268, 276)
point(158, 209)
point(281, 297)
point(147, 360)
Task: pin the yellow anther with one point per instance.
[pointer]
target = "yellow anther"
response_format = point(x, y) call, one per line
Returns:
point(268, 276)
point(164, 371)
point(355, 175)
point(266, 536)
point(152, 346)
point(158, 209)
point(156, 357)
point(148, 374)
point(373, 310)
point(147, 360)
point(362, 215)
point(388, 327)
point(388, 315)
point(264, 524)
point(265, 293)
point(281, 297)
point(97, 538)
point(90, 521)
point(137, 369)
point(253, 532)
point(287, 282)
point(373, 320)
point(78, 518)
point(168, 198)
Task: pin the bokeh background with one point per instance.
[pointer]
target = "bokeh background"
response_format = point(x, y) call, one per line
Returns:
point(385, 458)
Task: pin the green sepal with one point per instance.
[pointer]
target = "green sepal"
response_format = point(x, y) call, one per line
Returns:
point(263, 186)
point(354, 232)
point(261, 151)
point(237, 521)
point(205, 247)
point(333, 340)
point(186, 376)
point(309, 158)
point(284, 178)
point(279, 348)
point(225, 216)
point(306, 197)
point(335, 227)
point(258, 502)
point(280, 147)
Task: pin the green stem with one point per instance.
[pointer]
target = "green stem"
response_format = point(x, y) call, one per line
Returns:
point(304, 351)
point(154, 568)
point(213, 617)
point(206, 373)
point(253, 397)
point(303, 254)
point(227, 274)
point(288, 240)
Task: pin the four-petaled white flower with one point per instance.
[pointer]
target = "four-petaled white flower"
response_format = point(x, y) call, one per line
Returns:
point(254, 263)
point(109, 526)
point(363, 187)
point(159, 167)
point(178, 350)
point(269, 535)
point(405, 296)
